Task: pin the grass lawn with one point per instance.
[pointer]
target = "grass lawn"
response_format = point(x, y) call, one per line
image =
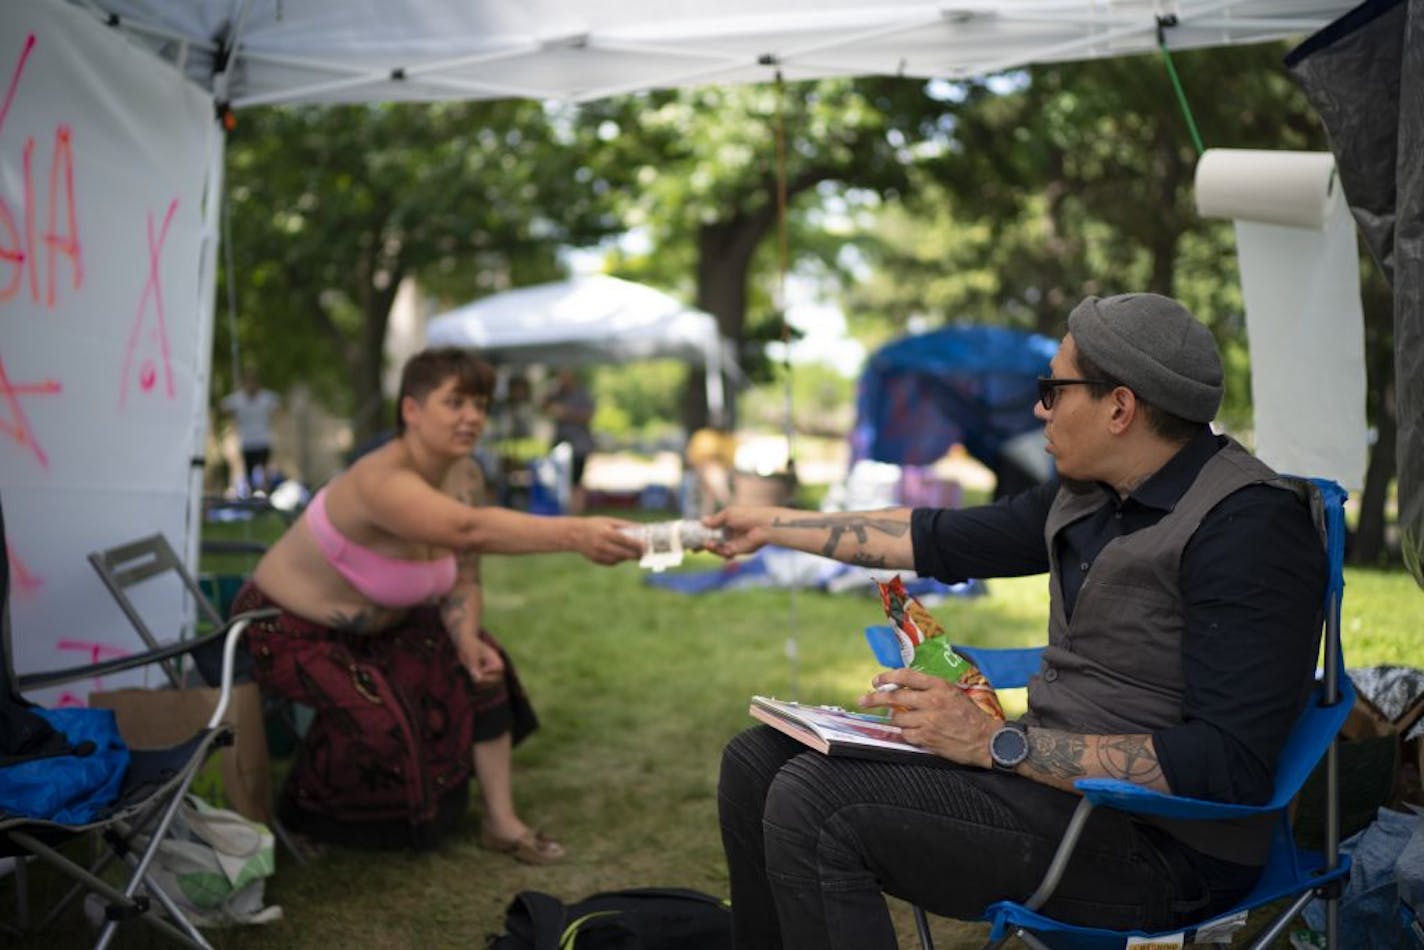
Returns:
point(638, 689)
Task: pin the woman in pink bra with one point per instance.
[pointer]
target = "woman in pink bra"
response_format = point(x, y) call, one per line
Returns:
point(379, 588)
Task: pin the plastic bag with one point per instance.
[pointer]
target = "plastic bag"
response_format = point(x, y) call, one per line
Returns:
point(214, 864)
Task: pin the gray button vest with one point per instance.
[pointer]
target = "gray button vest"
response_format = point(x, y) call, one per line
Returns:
point(1116, 668)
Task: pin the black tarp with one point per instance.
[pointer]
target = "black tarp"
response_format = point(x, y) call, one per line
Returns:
point(1364, 74)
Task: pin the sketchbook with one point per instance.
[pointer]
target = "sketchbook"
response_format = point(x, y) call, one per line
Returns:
point(836, 731)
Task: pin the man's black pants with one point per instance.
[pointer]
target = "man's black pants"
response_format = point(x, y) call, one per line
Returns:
point(813, 841)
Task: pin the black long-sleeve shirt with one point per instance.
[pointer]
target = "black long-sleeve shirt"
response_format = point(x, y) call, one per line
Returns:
point(1252, 579)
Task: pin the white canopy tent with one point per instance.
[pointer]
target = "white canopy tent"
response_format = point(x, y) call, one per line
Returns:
point(264, 51)
point(588, 319)
point(111, 166)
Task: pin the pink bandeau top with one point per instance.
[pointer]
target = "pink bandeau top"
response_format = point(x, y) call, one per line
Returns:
point(387, 581)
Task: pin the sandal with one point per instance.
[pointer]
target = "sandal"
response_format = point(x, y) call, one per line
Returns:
point(532, 848)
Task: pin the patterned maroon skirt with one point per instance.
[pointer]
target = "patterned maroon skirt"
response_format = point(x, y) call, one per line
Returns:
point(386, 760)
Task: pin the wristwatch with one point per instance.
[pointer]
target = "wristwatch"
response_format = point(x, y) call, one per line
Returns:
point(1008, 747)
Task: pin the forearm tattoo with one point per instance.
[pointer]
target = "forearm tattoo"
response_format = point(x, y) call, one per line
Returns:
point(1062, 755)
point(858, 525)
point(1130, 758)
point(452, 613)
point(1059, 754)
point(469, 564)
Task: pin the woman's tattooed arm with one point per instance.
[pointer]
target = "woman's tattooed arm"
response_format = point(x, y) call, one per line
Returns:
point(462, 609)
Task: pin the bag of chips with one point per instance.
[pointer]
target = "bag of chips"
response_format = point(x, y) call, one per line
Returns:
point(924, 647)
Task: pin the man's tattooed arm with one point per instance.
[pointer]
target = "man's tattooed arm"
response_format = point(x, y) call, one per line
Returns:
point(1132, 759)
point(1056, 754)
point(1058, 758)
point(870, 531)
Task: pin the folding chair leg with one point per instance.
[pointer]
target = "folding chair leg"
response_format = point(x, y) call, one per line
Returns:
point(96, 884)
point(97, 868)
point(994, 944)
point(22, 899)
point(140, 866)
point(281, 833)
point(1282, 920)
point(922, 925)
point(174, 911)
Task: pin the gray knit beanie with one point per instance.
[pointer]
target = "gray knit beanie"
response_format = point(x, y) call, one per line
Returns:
point(1155, 347)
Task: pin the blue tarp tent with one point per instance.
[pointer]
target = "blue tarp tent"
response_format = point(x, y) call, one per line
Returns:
point(972, 385)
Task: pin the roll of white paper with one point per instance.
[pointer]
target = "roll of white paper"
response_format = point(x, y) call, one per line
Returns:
point(1300, 282)
point(1292, 189)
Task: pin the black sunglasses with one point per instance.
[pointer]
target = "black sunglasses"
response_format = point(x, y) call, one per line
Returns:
point(1048, 387)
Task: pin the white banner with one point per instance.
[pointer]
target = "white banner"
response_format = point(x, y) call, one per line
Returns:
point(105, 160)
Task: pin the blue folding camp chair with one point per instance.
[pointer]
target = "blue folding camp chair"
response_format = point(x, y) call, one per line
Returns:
point(1291, 873)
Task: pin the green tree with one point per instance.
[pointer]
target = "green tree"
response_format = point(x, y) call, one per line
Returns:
point(707, 168)
point(1077, 178)
point(331, 208)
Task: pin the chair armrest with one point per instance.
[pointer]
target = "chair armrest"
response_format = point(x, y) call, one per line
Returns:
point(236, 627)
point(1005, 668)
point(1125, 796)
point(70, 674)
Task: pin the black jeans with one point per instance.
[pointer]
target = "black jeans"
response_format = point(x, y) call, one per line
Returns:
point(813, 841)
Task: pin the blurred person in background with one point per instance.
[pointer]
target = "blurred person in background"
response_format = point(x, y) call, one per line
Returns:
point(251, 408)
point(710, 456)
point(571, 407)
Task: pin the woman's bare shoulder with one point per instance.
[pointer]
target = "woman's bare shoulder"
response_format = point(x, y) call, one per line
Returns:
point(373, 469)
point(350, 494)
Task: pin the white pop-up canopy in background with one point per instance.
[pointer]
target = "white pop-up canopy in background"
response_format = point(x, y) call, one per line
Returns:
point(595, 318)
point(1300, 277)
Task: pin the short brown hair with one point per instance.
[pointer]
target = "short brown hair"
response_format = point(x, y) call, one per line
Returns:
point(428, 370)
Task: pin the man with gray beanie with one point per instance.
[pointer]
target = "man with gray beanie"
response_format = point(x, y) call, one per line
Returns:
point(1185, 580)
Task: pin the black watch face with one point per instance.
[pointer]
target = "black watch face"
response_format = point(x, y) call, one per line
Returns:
point(1009, 747)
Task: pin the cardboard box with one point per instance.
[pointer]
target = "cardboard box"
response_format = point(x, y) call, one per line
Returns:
point(155, 718)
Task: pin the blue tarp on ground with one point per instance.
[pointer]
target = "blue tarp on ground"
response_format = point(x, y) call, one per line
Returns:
point(781, 567)
point(970, 385)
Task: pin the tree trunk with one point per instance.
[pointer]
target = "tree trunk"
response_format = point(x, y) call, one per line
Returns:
point(724, 257)
point(368, 355)
point(1175, 177)
point(1369, 542)
point(1369, 545)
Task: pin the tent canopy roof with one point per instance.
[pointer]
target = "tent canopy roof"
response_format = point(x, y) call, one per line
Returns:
point(315, 51)
point(585, 319)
